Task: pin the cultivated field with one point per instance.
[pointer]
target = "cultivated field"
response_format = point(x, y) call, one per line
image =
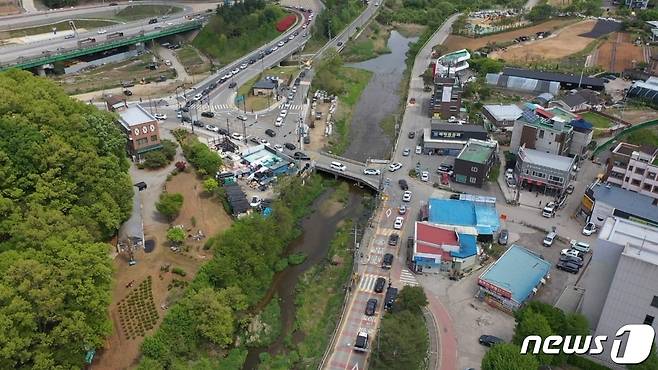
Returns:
point(564, 42)
point(618, 53)
point(460, 42)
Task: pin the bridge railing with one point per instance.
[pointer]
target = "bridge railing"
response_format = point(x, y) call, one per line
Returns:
point(343, 159)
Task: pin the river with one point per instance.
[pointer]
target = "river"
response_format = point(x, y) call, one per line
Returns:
point(379, 99)
point(318, 229)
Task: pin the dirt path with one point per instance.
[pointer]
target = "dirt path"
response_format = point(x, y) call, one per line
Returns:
point(619, 53)
point(168, 54)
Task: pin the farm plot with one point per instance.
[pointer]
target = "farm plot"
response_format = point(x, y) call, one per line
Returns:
point(619, 53)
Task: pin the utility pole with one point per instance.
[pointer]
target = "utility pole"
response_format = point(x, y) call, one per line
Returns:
point(228, 127)
point(244, 131)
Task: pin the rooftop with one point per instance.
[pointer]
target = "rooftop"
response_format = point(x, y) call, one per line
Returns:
point(135, 115)
point(543, 159)
point(264, 84)
point(509, 112)
point(467, 246)
point(433, 239)
point(553, 76)
point(518, 271)
point(482, 216)
point(265, 156)
point(641, 240)
point(455, 56)
point(628, 201)
point(445, 126)
point(477, 151)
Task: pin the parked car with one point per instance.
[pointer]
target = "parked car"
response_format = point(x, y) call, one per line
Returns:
point(445, 168)
point(371, 171)
point(371, 307)
point(127, 92)
point(571, 252)
point(580, 246)
point(237, 136)
point(301, 156)
point(402, 209)
point(290, 146)
point(490, 340)
point(425, 176)
point(549, 239)
point(380, 283)
point(269, 132)
point(589, 229)
point(571, 259)
point(361, 342)
point(568, 267)
point(406, 152)
point(278, 147)
point(232, 85)
point(406, 197)
point(393, 239)
point(403, 184)
point(503, 236)
point(419, 149)
point(160, 116)
point(207, 114)
point(394, 166)
point(569, 189)
point(411, 134)
point(549, 210)
point(255, 201)
point(212, 128)
point(399, 221)
point(387, 261)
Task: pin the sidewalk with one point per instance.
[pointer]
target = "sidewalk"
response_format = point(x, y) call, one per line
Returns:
point(446, 334)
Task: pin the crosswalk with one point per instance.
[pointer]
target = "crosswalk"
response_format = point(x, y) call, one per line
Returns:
point(219, 107)
point(407, 278)
point(367, 282)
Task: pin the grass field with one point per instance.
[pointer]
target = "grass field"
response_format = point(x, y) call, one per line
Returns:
point(135, 12)
point(370, 44)
point(61, 26)
point(596, 120)
point(256, 103)
point(190, 58)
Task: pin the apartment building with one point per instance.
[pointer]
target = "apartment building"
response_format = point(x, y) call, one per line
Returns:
point(634, 168)
point(544, 170)
point(447, 99)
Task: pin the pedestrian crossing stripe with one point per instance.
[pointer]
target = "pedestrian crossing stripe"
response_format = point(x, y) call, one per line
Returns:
point(407, 278)
point(367, 282)
point(218, 107)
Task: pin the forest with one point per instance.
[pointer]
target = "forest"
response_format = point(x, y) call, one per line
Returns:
point(64, 191)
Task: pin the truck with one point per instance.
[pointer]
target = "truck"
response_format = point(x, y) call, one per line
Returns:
point(114, 35)
point(361, 343)
point(87, 41)
point(389, 299)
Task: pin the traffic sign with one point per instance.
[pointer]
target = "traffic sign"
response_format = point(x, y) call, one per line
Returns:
point(239, 98)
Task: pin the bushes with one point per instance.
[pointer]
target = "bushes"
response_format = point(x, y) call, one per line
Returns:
point(178, 271)
point(296, 258)
point(170, 205)
point(205, 160)
point(285, 22)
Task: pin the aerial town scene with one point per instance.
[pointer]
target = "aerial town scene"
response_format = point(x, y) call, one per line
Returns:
point(329, 184)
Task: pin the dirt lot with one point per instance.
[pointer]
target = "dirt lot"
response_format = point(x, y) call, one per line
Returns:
point(121, 352)
point(635, 115)
point(460, 42)
point(318, 139)
point(618, 53)
point(9, 8)
point(562, 43)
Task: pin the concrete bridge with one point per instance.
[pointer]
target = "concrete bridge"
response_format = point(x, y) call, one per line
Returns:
point(354, 170)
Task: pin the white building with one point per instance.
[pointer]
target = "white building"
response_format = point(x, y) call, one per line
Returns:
point(449, 64)
point(634, 168)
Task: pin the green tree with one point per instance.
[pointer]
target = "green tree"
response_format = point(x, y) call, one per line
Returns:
point(214, 317)
point(170, 205)
point(411, 298)
point(176, 235)
point(155, 159)
point(210, 185)
point(541, 12)
point(529, 323)
point(402, 342)
point(428, 77)
point(508, 356)
point(169, 149)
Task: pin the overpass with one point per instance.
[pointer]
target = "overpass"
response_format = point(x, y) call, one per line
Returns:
point(65, 54)
point(354, 171)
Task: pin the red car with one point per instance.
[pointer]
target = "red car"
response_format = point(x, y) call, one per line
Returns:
point(445, 178)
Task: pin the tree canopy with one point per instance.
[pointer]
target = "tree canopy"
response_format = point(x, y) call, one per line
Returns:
point(64, 187)
point(508, 356)
point(170, 204)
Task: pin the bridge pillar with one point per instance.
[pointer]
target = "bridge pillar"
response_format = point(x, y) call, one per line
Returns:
point(41, 70)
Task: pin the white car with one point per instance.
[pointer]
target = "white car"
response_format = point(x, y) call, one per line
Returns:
point(394, 166)
point(425, 176)
point(371, 171)
point(406, 152)
point(280, 44)
point(167, 63)
point(237, 136)
point(198, 96)
point(160, 116)
point(235, 71)
point(286, 105)
point(179, 114)
point(255, 201)
point(244, 66)
point(419, 149)
point(570, 252)
point(278, 122)
point(275, 48)
point(291, 37)
point(304, 27)
point(101, 32)
point(397, 225)
point(589, 229)
point(406, 197)
point(264, 142)
point(212, 128)
point(580, 246)
point(283, 113)
point(279, 147)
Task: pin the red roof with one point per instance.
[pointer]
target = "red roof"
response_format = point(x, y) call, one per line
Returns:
point(431, 234)
point(426, 249)
point(544, 113)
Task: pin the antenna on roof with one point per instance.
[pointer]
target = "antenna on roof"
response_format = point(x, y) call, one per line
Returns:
point(644, 239)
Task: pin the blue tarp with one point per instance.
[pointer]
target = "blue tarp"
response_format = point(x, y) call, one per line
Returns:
point(582, 124)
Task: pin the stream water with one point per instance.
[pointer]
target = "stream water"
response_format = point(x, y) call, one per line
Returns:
point(318, 229)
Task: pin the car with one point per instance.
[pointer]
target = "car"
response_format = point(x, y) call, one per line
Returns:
point(568, 267)
point(339, 44)
point(198, 123)
point(70, 36)
point(294, 89)
point(569, 189)
point(291, 37)
point(212, 128)
point(127, 92)
point(490, 340)
point(549, 210)
point(445, 168)
point(167, 63)
point(397, 225)
point(402, 209)
point(278, 122)
point(419, 149)
point(274, 48)
point(301, 156)
point(290, 146)
point(280, 44)
point(425, 176)
point(237, 136)
point(393, 239)
point(371, 307)
point(255, 140)
point(291, 96)
point(198, 96)
point(286, 105)
point(255, 201)
point(580, 246)
point(380, 283)
point(403, 184)
point(406, 197)
point(241, 117)
point(232, 85)
point(511, 182)
point(387, 261)
point(235, 71)
point(278, 147)
point(244, 66)
point(179, 114)
point(445, 179)
point(570, 252)
point(283, 113)
point(411, 135)
point(503, 237)
point(264, 142)
point(160, 116)
point(371, 171)
point(549, 239)
point(269, 132)
point(376, 4)
point(406, 152)
point(589, 229)
point(571, 259)
point(207, 114)
point(102, 32)
point(394, 166)
point(361, 342)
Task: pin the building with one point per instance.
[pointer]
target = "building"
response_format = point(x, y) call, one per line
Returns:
point(449, 138)
point(515, 277)
point(502, 115)
point(475, 215)
point(544, 170)
point(566, 81)
point(637, 4)
point(449, 64)
point(647, 90)
point(474, 162)
point(543, 99)
point(442, 249)
point(635, 168)
point(579, 101)
point(262, 158)
point(142, 130)
point(447, 99)
point(115, 103)
point(602, 200)
point(521, 84)
point(264, 87)
point(620, 283)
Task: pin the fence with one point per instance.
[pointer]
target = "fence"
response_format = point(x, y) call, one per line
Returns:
point(621, 134)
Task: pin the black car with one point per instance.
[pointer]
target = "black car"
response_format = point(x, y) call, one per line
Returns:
point(252, 61)
point(371, 307)
point(207, 114)
point(232, 85)
point(568, 267)
point(412, 134)
point(222, 131)
point(212, 85)
point(254, 140)
point(301, 156)
point(403, 184)
point(380, 283)
point(571, 259)
point(455, 196)
point(503, 236)
point(297, 81)
point(339, 44)
point(490, 340)
point(269, 132)
point(393, 239)
point(290, 146)
point(198, 124)
point(387, 261)
point(127, 92)
point(302, 74)
point(186, 119)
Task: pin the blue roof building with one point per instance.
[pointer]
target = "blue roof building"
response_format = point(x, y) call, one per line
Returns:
point(479, 213)
point(513, 278)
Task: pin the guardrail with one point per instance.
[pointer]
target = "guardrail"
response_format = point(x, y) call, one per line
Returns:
point(96, 47)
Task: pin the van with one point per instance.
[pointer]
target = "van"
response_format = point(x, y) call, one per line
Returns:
point(580, 246)
point(338, 166)
point(549, 210)
point(548, 240)
point(419, 149)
